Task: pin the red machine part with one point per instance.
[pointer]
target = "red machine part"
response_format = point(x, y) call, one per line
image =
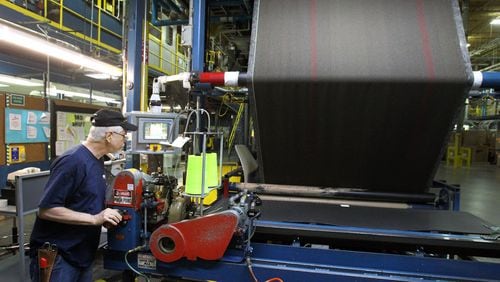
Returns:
point(215, 78)
point(205, 237)
point(127, 189)
point(230, 78)
point(43, 263)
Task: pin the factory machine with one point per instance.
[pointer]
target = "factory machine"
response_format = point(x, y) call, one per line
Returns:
point(351, 113)
point(154, 220)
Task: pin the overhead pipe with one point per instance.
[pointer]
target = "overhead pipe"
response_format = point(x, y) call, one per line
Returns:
point(188, 79)
point(229, 78)
point(490, 79)
point(154, 16)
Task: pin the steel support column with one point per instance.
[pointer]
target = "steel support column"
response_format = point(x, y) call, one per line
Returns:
point(135, 10)
point(199, 27)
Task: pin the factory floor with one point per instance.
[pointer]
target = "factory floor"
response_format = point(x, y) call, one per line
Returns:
point(480, 195)
point(480, 189)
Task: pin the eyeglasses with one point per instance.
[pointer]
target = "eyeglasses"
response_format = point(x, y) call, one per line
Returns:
point(122, 135)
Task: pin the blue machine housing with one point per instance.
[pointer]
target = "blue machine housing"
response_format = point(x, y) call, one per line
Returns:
point(127, 236)
point(291, 263)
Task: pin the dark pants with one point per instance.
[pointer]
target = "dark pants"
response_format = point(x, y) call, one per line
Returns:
point(62, 271)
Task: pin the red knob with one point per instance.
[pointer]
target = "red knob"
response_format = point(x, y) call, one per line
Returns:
point(44, 263)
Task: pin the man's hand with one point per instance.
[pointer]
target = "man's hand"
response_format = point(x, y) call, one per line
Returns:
point(108, 218)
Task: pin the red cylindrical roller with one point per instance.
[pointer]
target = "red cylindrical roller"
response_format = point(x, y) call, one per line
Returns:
point(214, 78)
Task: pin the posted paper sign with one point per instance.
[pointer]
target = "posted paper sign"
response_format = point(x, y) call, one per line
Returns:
point(60, 147)
point(31, 132)
point(46, 131)
point(44, 118)
point(31, 118)
point(14, 121)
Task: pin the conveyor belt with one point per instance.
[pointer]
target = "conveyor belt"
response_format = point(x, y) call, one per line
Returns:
point(377, 218)
point(356, 94)
point(377, 229)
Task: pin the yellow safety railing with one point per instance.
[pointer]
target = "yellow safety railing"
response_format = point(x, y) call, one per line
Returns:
point(168, 59)
point(56, 20)
point(108, 6)
point(171, 60)
point(457, 155)
point(235, 127)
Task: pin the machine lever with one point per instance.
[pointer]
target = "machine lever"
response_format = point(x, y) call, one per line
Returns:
point(126, 217)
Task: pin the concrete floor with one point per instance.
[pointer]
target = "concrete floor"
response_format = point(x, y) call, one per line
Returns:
point(480, 189)
point(480, 195)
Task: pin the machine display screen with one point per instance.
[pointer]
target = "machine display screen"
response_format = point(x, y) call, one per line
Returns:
point(155, 130)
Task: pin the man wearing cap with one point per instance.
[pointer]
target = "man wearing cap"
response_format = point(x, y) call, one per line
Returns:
point(72, 209)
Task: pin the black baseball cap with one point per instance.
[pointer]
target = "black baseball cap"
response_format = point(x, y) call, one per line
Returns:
point(105, 118)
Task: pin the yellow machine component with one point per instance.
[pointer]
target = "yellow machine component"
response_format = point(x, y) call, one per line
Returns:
point(210, 198)
point(16, 154)
point(228, 167)
point(154, 147)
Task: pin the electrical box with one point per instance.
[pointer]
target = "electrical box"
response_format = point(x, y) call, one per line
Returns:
point(187, 35)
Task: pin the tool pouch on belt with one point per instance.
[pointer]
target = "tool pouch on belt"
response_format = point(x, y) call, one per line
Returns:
point(46, 258)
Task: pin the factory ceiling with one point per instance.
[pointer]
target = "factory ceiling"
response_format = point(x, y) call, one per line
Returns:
point(229, 31)
point(483, 37)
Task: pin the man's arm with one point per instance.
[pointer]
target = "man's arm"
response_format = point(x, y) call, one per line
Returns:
point(65, 215)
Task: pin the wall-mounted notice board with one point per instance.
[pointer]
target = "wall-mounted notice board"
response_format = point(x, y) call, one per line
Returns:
point(2, 129)
point(26, 126)
point(71, 124)
point(72, 129)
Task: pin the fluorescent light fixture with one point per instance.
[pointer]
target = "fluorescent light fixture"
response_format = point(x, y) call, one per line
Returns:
point(101, 76)
point(84, 95)
point(3, 85)
point(105, 99)
point(53, 91)
point(495, 21)
point(18, 81)
point(37, 44)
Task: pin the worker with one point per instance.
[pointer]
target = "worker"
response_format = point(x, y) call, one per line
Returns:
point(72, 208)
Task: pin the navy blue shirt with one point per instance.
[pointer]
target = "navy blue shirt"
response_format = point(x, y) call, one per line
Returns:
point(76, 182)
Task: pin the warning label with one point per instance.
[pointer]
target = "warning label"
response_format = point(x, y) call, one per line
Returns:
point(122, 197)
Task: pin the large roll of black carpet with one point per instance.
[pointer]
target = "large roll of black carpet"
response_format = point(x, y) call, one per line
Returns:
point(356, 93)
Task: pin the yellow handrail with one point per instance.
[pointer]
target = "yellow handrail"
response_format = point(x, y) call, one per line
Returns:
point(170, 59)
point(235, 127)
point(59, 21)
